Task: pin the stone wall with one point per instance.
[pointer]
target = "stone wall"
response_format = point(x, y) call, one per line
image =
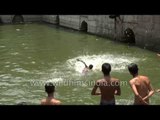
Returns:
point(32, 18)
point(101, 25)
point(27, 18)
point(70, 21)
point(6, 18)
point(148, 30)
point(145, 27)
point(49, 18)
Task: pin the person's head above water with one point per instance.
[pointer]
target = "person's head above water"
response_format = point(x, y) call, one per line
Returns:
point(49, 88)
point(90, 66)
point(50, 99)
point(106, 68)
point(133, 68)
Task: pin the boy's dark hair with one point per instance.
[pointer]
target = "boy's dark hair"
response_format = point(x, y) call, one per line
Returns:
point(133, 68)
point(49, 87)
point(90, 66)
point(106, 68)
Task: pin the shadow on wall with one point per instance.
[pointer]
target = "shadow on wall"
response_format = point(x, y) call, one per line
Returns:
point(84, 26)
point(114, 16)
point(1, 21)
point(129, 36)
point(17, 19)
point(57, 20)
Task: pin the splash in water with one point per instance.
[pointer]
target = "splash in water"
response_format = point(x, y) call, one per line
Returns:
point(117, 62)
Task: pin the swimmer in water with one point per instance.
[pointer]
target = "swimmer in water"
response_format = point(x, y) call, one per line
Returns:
point(87, 68)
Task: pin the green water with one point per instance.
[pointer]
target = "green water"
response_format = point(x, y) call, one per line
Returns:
point(32, 54)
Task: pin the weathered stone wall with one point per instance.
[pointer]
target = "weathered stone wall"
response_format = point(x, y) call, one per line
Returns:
point(27, 18)
point(32, 18)
point(148, 29)
point(49, 18)
point(145, 27)
point(6, 18)
point(70, 21)
point(101, 25)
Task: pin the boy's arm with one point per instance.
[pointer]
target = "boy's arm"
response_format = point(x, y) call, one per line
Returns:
point(94, 90)
point(132, 84)
point(118, 89)
point(82, 62)
point(151, 92)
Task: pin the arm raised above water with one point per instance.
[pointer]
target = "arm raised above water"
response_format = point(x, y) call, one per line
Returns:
point(82, 62)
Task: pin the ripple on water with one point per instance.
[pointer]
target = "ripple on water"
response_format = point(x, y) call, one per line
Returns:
point(26, 48)
point(14, 53)
point(16, 65)
point(4, 84)
point(2, 46)
point(7, 62)
point(75, 89)
point(54, 80)
point(7, 66)
point(13, 92)
point(20, 70)
point(124, 102)
point(23, 44)
point(5, 76)
point(33, 62)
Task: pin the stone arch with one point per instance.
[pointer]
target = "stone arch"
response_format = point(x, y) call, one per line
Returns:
point(129, 36)
point(18, 19)
point(84, 26)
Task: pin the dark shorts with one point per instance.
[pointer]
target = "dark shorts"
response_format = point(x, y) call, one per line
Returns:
point(112, 102)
